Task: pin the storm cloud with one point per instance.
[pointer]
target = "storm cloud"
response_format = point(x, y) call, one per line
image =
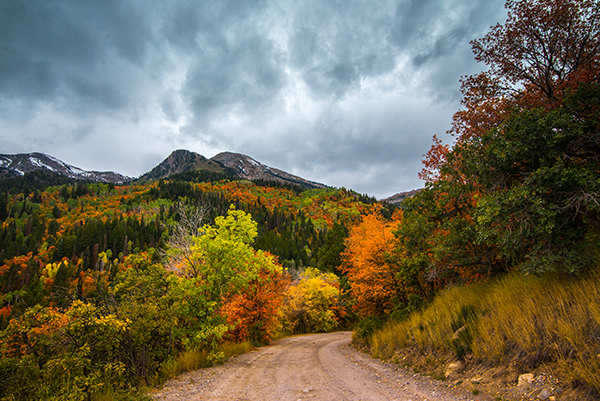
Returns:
point(348, 93)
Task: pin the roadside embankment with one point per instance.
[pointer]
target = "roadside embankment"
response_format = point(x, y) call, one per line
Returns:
point(518, 337)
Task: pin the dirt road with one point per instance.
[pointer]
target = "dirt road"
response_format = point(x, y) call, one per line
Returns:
point(310, 367)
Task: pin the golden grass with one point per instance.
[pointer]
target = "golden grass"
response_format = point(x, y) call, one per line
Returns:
point(233, 349)
point(529, 320)
point(184, 362)
point(195, 359)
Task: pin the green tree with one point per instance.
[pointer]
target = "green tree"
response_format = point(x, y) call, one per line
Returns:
point(329, 255)
point(225, 264)
point(540, 187)
point(143, 298)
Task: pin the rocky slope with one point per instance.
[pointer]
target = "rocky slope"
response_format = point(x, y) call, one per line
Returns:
point(19, 164)
point(248, 168)
point(399, 197)
point(180, 161)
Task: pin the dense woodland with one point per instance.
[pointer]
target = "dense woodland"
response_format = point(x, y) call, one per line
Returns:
point(107, 288)
point(104, 285)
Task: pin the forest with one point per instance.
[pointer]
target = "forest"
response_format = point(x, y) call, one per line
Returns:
point(109, 289)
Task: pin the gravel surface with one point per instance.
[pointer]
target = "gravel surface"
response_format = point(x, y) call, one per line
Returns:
point(309, 367)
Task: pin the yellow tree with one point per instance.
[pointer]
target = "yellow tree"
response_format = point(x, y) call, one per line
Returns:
point(312, 302)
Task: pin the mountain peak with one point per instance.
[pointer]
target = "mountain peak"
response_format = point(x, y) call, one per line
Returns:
point(247, 168)
point(244, 166)
point(181, 160)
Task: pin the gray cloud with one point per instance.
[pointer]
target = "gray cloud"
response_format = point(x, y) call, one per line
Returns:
point(436, 34)
point(54, 50)
point(344, 92)
point(335, 45)
point(241, 72)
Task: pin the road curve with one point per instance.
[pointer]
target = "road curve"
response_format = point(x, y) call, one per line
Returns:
point(309, 367)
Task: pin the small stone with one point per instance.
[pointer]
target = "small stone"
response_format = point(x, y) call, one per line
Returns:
point(476, 380)
point(456, 334)
point(544, 395)
point(453, 368)
point(525, 379)
point(552, 398)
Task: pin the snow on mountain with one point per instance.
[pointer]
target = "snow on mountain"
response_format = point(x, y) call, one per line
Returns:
point(250, 169)
point(23, 163)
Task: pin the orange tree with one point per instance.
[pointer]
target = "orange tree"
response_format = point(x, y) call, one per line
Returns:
point(254, 314)
point(370, 261)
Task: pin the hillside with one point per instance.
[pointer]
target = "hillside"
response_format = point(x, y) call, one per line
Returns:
point(79, 244)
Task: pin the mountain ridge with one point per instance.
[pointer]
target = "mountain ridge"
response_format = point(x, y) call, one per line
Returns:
point(248, 168)
point(19, 164)
point(230, 164)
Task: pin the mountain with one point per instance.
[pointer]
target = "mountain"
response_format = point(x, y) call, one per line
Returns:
point(247, 168)
point(235, 165)
point(20, 164)
point(182, 160)
point(399, 197)
point(230, 164)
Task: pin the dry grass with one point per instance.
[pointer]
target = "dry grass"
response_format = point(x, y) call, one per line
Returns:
point(233, 349)
point(524, 320)
point(184, 362)
point(195, 359)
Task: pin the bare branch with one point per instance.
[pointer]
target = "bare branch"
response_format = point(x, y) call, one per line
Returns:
point(179, 256)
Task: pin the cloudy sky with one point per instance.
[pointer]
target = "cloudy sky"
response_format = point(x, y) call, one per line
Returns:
point(347, 93)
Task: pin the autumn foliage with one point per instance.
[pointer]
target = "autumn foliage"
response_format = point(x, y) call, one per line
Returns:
point(369, 262)
point(312, 303)
point(519, 186)
point(103, 288)
point(255, 314)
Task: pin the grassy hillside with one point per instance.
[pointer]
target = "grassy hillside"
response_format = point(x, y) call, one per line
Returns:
point(502, 243)
point(501, 329)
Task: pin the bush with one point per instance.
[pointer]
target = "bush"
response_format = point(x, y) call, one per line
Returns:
point(367, 326)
